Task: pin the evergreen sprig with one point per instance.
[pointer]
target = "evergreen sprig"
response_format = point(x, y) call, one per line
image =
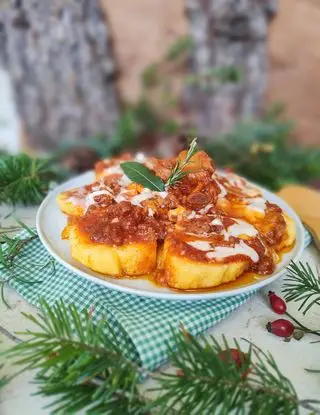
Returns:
point(78, 364)
point(210, 385)
point(83, 369)
point(11, 263)
point(24, 179)
point(301, 284)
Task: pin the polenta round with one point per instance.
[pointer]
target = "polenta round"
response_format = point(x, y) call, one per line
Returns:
point(203, 230)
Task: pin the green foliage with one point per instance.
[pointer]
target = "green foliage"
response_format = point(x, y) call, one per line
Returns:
point(150, 76)
point(126, 132)
point(182, 46)
point(265, 152)
point(178, 171)
point(11, 263)
point(84, 369)
point(23, 179)
point(221, 74)
point(146, 118)
point(139, 173)
point(78, 364)
point(301, 284)
point(209, 385)
point(3, 380)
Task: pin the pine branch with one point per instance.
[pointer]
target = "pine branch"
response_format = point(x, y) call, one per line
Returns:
point(11, 261)
point(24, 179)
point(86, 370)
point(301, 284)
point(78, 363)
point(207, 384)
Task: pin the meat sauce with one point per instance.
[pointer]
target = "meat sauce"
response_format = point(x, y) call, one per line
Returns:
point(196, 194)
point(120, 224)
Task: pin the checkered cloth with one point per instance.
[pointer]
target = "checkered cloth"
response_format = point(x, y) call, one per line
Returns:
point(144, 325)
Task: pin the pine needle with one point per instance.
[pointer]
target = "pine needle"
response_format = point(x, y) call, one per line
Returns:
point(11, 263)
point(24, 179)
point(301, 284)
point(82, 368)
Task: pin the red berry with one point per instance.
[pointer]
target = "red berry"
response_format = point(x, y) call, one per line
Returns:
point(281, 327)
point(278, 305)
point(233, 355)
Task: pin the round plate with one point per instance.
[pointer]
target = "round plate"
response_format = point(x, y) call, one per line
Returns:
point(51, 221)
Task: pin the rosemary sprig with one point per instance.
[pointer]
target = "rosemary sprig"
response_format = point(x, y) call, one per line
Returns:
point(301, 284)
point(178, 171)
point(85, 369)
point(141, 174)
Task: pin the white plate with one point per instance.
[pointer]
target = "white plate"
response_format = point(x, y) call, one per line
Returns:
point(50, 222)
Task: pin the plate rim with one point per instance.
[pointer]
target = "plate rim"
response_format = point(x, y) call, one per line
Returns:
point(174, 296)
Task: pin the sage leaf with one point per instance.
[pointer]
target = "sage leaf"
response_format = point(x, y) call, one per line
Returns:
point(139, 173)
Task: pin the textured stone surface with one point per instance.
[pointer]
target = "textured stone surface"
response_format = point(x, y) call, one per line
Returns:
point(59, 57)
point(228, 33)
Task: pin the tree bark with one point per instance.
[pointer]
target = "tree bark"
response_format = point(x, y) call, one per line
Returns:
point(227, 33)
point(59, 56)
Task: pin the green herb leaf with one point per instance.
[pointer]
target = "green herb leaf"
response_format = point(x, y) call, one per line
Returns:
point(139, 173)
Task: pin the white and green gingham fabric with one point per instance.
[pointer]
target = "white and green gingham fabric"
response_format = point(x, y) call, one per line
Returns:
point(147, 323)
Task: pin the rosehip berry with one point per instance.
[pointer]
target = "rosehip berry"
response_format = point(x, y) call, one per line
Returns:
point(281, 327)
point(233, 355)
point(278, 305)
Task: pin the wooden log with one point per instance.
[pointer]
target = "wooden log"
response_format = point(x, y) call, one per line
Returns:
point(227, 34)
point(59, 56)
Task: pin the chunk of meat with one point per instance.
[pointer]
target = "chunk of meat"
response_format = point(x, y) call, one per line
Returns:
point(162, 168)
point(200, 161)
point(121, 223)
point(273, 226)
point(196, 190)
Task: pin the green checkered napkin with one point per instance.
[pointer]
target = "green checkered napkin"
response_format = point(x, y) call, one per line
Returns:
point(147, 322)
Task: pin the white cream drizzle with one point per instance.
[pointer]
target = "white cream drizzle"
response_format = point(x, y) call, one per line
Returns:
point(123, 180)
point(192, 215)
point(235, 180)
point(140, 157)
point(220, 252)
point(77, 200)
point(223, 191)
point(257, 203)
point(241, 248)
point(241, 228)
point(200, 245)
point(146, 194)
point(205, 209)
point(113, 170)
point(216, 222)
point(120, 197)
point(90, 196)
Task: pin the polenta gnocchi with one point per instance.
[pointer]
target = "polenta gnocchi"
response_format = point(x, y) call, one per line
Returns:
point(206, 229)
